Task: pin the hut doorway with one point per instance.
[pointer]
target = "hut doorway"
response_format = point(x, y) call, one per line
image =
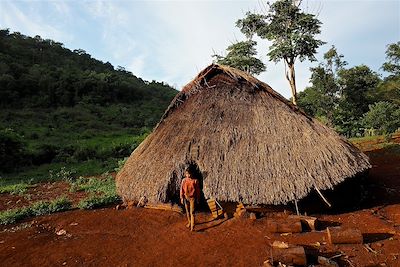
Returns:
point(173, 190)
point(197, 174)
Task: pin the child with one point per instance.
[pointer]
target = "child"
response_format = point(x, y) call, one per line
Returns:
point(190, 192)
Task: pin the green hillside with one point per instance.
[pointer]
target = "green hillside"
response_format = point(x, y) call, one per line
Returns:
point(64, 108)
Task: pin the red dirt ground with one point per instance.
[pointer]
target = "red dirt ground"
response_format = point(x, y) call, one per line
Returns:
point(143, 237)
point(42, 191)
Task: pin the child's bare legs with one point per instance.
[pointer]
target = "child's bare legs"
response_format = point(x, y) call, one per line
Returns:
point(191, 200)
point(187, 212)
point(189, 207)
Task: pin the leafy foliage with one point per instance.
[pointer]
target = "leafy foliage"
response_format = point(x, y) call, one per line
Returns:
point(321, 99)
point(61, 107)
point(352, 100)
point(14, 189)
point(62, 174)
point(102, 191)
point(241, 55)
point(383, 116)
point(12, 150)
point(42, 73)
point(393, 59)
point(291, 31)
point(36, 209)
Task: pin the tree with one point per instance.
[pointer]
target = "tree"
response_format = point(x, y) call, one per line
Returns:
point(291, 31)
point(241, 56)
point(357, 86)
point(383, 116)
point(389, 89)
point(321, 98)
point(393, 59)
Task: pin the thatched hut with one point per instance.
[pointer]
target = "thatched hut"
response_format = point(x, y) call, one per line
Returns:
point(249, 143)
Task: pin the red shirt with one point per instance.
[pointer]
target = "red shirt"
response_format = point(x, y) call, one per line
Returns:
point(190, 188)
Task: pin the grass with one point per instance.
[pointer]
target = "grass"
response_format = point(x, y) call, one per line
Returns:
point(36, 209)
point(383, 143)
point(102, 192)
point(42, 173)
point(96, 201)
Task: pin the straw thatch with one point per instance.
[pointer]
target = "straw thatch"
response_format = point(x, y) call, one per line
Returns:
point(249, 143)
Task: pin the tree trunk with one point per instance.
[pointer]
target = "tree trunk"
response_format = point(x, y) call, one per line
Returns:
point(291, 77)
point(292, 82)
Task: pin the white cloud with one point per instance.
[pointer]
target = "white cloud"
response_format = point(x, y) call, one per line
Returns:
point(28, 23)
point(62, 8)
point(172, 41)
point(137, 65)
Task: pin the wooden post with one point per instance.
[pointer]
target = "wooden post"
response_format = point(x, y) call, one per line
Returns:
point(297, 207)
point(337, 235)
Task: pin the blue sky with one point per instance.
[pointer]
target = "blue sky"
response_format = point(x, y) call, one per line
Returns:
point(172, 41)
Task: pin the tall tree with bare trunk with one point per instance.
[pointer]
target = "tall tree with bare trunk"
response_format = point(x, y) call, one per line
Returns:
point(291, 31)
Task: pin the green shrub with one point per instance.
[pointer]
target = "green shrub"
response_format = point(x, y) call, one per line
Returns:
point(62, 174)
point(104, 185)
point(12, 150)
point(14, 215)
point(121, 164)
point(102, 191)
point(14, 189)
point(96, 201)
point(48, 207)
point(383, 117)
point(36, 209)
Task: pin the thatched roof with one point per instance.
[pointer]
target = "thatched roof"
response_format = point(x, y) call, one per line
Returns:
point(249, 142)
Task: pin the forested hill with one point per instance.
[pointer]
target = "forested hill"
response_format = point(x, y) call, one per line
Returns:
point(42, 73)
point(64, 108)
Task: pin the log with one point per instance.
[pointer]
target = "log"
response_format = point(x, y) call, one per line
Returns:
point(291, 256)
point(337, 235)
point(280, 244)
point(289, 225)
point(162, 206)
point(307, 221)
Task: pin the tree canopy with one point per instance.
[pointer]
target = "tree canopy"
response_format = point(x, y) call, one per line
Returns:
point(35, 72)
point(354, 100)
point(241, 55)
point(393, 59)
point(291, 31)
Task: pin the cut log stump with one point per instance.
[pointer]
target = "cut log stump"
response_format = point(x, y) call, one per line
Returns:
point(294, 255)
point(308, 222)
point(289, 225)
point(337, 235)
